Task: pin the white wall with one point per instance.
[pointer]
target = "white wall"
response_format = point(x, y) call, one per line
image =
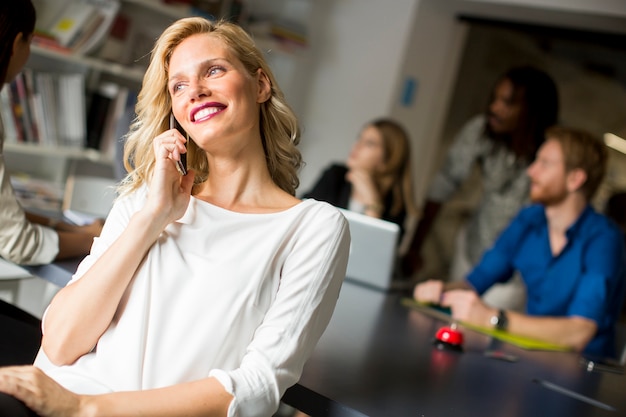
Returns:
point(432, 57)
point(358, 49)
point(364, 51)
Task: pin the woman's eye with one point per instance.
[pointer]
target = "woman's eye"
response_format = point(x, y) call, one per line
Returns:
point(176, 87)
point(215, 70)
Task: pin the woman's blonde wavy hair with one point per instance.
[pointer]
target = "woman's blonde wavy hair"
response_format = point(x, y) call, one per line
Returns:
point(397, 159)
point(280, 131)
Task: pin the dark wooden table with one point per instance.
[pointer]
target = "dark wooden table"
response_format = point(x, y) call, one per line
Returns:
point(377, 358)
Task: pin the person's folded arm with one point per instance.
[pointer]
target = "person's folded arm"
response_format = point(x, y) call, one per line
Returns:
point(573, 332)
point(204, 397)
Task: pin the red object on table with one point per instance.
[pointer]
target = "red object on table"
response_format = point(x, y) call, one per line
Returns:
point(449, 337)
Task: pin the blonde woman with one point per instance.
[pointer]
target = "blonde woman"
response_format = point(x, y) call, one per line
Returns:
point(376, 178)
point(206, 292)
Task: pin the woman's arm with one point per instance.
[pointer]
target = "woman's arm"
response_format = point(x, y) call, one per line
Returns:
point(205, 397)
point(202, 398)
point(74, 240)
point(311, 278)
point(82, 311)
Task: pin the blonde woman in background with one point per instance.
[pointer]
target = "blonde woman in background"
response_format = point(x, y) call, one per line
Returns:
point(376, 178)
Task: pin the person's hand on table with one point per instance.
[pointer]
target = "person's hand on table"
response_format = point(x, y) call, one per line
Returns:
point(39, 392)
point(93, 229)
point(428, 291)
point(467, 306)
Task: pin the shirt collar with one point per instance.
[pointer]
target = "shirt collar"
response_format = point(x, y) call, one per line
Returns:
point(542, 221)
point(579, 223)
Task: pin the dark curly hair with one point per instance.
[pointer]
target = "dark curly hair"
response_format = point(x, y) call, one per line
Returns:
point(538, 95)
point(16, 16)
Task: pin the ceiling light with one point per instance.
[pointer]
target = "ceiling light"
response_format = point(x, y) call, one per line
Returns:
point(615, 142)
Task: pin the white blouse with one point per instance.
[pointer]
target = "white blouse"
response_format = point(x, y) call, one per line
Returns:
point(241, 297)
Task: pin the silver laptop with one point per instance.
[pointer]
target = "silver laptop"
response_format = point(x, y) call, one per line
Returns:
point(372, 250)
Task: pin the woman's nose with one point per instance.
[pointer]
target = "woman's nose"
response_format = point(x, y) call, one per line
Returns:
point(198, 89)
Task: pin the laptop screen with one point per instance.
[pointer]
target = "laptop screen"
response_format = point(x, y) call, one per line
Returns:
point(372, 250)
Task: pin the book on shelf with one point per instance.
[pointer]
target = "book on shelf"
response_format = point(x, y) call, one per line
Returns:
point(47, 108)
point(47, 41)
point(72, 110)
point(78, 26)
point(46, 86)
point(87, 32)
point(114, 45)
point(33, 103)
point(74, 17)
point(114, 122)
point(107, 11)
point(8, 121)
point(101, 104)
point(108, 105)
point(19, 110)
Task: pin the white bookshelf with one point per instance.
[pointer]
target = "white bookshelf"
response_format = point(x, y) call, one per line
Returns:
point(56, 151)
point(88, 63)
point(148, 19)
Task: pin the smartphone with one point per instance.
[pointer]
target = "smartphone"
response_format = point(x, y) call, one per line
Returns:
point(182, 163)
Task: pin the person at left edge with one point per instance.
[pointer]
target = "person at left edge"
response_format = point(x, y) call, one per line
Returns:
point(206, 293)
point(27, 238)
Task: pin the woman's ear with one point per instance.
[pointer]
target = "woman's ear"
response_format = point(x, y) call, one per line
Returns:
point(264, 86)
point(19, 38)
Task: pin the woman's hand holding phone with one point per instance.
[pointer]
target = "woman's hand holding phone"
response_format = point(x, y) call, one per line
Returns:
point(169, 192)
point(181, 164)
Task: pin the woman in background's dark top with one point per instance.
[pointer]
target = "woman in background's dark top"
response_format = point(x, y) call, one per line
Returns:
point(376, 179)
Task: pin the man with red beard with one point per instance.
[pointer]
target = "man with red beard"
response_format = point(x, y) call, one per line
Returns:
point(570, 257)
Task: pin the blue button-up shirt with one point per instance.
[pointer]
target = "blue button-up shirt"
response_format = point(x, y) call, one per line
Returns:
point(586, 279)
